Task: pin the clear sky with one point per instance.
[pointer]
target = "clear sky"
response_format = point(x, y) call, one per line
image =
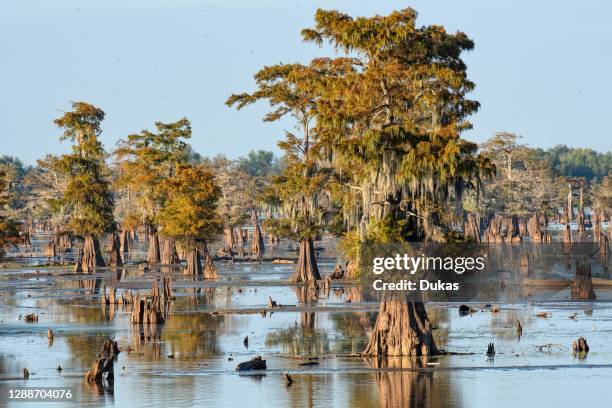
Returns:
point(542, 68)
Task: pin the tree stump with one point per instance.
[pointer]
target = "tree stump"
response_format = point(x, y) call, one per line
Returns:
point(103, 367)
point(89, 255)
point(402, 329)
point(580, 345)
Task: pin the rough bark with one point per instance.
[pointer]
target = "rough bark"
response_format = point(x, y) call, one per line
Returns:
point(257, 244)
point(113, 250)
point(89, 255)
point(307, 268)
point(210, 271)
point(153, 254)
point(229, 247)
point(169, 255)
point(582, 287)
point(104, 364)
point(194, 265)
point(471, 229)
point(402, 329)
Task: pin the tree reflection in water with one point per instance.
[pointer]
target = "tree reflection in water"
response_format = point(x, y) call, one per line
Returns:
point(407, 382)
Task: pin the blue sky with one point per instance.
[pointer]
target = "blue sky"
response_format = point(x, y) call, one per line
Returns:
point(542, 68)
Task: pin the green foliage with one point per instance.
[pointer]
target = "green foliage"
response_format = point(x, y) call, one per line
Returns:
point(259, 163)
point(189, 214)
point(577, 162)
point(87, 194)
point(144, 161)
point(9, 232)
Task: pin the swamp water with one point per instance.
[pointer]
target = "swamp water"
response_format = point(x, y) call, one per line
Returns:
point(190, 360)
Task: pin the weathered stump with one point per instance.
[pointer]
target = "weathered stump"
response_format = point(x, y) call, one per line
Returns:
point(89, 255)
point(402, 329)
point(103, 367)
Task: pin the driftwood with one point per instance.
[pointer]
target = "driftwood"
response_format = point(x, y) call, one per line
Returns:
point(104, 364)
point(256, 363)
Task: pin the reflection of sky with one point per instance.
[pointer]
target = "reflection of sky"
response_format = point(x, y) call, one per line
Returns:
point(538, 66)
point(201, 372)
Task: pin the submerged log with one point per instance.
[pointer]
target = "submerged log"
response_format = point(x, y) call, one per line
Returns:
point(402, 329)
point(307, 268)
point(256, 363)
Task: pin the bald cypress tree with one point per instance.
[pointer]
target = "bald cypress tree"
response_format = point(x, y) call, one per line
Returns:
point(87, 194)
point(189, 215)
point(292, 89)
point(145, 160)
point(9, 232)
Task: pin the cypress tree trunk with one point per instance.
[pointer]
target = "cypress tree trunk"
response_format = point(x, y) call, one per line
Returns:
point(153, 255)
point(113, 250)
point(169, 255)
point(307, 269)
point(582, 287)
point(230, 243)
point(194, 266)
point(210, 271)
point(89, 255)
point(257, 245)
point(239, 241)
point(402, 329)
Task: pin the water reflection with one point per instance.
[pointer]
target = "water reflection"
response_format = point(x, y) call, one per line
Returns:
point(415, 386)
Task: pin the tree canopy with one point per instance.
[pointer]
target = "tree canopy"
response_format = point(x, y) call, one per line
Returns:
point(87, 195)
